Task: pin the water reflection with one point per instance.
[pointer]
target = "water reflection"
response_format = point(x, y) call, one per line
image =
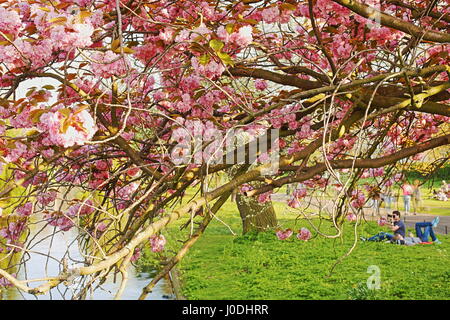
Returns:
point(47, 248)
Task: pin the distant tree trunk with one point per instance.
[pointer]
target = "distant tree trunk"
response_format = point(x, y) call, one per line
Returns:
point(255, 216)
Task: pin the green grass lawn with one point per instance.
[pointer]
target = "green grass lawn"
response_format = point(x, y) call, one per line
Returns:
point(259, 266)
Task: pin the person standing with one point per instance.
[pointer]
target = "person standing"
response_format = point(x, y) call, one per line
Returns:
point(416, 197)
point(388, 198)
point(407, 191)
point(445, 188)
point(375, 194)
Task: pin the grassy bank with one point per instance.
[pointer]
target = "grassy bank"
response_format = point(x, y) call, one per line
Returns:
point(259, 266)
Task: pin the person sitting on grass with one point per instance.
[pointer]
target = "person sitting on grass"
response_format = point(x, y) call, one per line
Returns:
point(398, 227)
point(408, 241)
point(421, 238)
point(428, 231)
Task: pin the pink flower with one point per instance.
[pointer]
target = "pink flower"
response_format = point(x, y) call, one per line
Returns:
point(300, 193)
point(261, 84)
point(68, 130)
point(57, 219)
point(243, 37)
point(351, 217)
point(382, 221)
point(294, 203)
point(19, 151)
point(271, 15)
point(5, 282)
point(81, 209)
point(264, 197)
point(39, 178)
point(13, 231)
point(211, 70)
point(245, 188)
point(284, 234)
point(25, 210)
point(100, 228)
point(304, 234)
point(9, 21)
point(389, 183)
point(101, 165)
point(79, 36)
point(136, 254)
point(358, 199)
point(157, 243)
point(133, 172)
point(108, 64)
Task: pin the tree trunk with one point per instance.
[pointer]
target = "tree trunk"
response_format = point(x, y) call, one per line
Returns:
point(255, 216)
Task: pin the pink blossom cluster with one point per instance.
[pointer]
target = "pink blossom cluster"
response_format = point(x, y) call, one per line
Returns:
point(82, 208)
point(5, 282)
point(299, 193)
point(125, 194)
point(79, 36)
point(284, 234)
point(99, 230)
point(98, 178)
point(211, 70)
point(303, 234)
point(157, 243)
point(39, 178)
point(15, 153)
point(107, 64)
point(191, 136)
point(358, 199)
point(25, 210)
point(13, 231)
point(81, 128)
point(10, 22)
point(372, 172)
point(351, 217)
point(382, 221)
point(45, 198)
point(58, 220)
point(243, 37)
point(278, 117)
point(136, 254)
point(261, 84)
point(271, 14)
point(264, 197)
point(66, 221)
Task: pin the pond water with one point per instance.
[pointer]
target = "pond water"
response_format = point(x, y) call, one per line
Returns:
point(45, 243)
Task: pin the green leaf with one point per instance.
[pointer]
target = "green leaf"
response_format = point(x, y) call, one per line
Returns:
point(288, 6)
point(204, 59)
point(65, 112)
point(124, 50)
point(36, 114)
point(216, 45)
point(226, 59)
point(229, 28)
point(342, 131)
point(58, 20)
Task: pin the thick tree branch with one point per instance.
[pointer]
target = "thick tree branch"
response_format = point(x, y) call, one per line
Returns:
point(394, 22)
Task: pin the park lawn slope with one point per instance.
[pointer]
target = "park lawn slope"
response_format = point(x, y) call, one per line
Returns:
point(223, 265)
point(259, 266)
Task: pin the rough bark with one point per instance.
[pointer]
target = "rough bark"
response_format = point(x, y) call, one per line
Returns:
point(255, 216)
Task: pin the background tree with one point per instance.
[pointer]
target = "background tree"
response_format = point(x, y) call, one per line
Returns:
point(98, 97)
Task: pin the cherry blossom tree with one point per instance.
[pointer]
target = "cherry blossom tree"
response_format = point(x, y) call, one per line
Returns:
point(111, 111)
